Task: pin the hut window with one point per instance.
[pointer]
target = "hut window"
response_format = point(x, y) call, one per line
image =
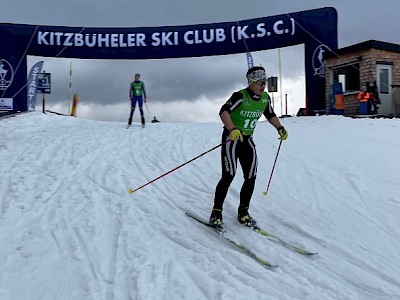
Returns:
point(349, 76)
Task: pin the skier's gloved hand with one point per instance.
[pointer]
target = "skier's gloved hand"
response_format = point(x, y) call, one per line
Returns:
point(235, 134)
point(282, 132)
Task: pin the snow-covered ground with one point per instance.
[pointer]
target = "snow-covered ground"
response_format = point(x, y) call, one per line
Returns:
point(70, 230)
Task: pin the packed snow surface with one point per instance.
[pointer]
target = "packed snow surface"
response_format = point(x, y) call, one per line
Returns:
point(70, 230)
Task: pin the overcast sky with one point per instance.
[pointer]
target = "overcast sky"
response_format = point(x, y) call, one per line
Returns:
point(186, 89)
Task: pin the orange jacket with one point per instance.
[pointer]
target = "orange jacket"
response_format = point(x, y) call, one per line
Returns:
point(363, 96)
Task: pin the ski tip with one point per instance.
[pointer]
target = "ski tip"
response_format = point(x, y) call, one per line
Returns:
point(130, 191)
point(265, 193)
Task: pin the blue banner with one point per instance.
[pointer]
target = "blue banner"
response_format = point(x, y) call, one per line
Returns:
point(316, 29)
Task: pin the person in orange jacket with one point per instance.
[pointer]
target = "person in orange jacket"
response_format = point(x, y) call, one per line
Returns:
point(363, 99)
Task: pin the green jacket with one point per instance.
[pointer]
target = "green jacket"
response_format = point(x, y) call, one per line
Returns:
point(137, 89)
point(245, 116)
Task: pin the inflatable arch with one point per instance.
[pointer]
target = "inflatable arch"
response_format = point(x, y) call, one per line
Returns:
point(316, 29)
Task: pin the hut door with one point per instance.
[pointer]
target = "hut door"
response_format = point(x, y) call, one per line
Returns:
point(384, 82)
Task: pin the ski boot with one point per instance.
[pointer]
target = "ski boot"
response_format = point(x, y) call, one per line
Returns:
point(216, 218)
point(244, 218)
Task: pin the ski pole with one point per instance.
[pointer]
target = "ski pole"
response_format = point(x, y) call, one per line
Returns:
point(131, 191)
point(148, 110)
point(273, 167)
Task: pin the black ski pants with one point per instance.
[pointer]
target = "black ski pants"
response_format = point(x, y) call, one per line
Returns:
point(231, 152)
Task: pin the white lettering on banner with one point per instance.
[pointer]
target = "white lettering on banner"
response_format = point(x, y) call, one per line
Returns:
point(207, 36)
point(220, 35)
point(58, 37)
point(140, 39)
point(121, 38)
point(276, 29)
point(261, 30)
point(78, 39)
point(41, 38)
point(101, 40)
point(170, 38)
point(113, 40)
point(131, 40)
point(69, 38)
point(165, 38)
point(32, 89)
point(241, 32)
point(32, 85)
point(90, 42)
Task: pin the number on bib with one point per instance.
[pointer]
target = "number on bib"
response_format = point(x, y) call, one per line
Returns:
point(248, 124)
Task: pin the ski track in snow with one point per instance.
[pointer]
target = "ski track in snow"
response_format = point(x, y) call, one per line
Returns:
point(69, 229)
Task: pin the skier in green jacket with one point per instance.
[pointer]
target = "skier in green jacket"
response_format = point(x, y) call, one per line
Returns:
point(136, 93)
point(239, 116)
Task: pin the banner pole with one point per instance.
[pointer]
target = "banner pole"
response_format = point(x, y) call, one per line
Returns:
point(70, 88)
point(280, 79)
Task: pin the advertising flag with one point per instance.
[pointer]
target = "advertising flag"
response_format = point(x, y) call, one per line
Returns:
point(249, 60)
point(32, 85)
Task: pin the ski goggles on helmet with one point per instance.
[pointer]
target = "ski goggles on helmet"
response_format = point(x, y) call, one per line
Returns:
point(261, 82)
point(257, 76)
